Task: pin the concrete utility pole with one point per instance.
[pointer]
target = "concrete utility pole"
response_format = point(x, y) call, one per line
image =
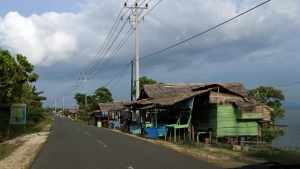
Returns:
point(63, 102)
point(135, 12)
point(85, 81)
point(75, 91)
point(55, 105)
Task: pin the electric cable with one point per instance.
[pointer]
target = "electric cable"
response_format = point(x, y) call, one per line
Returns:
point(204, 31)
point(287, 84)
point(104, 41)
point(117, 74)
point(120, 78)
point(95, 67)
point(191, 37)
point(101, 55)
point(114, 53)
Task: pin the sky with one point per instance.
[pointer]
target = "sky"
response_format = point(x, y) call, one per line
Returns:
point(66, 39)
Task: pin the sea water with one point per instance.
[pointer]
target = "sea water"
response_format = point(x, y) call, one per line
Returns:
point(291, 124)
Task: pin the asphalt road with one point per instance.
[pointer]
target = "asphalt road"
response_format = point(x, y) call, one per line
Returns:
point(73, 146)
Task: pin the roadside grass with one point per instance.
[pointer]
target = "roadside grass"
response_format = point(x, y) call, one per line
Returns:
point(276, 155)
point(7, 149)
point(191, 144)
point(266, 152)
point(223, 146)
point(18, 130)
point(21, 130)
point(79, 121)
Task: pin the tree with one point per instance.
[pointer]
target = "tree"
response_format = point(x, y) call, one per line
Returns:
point(15, 76)
point(273, 98)
point(101, 95)
point(144, 81)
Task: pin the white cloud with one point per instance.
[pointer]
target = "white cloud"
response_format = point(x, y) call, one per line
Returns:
point(235, 51)
point(38, 37)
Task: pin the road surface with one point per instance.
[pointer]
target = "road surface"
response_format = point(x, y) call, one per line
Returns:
point(75, 146)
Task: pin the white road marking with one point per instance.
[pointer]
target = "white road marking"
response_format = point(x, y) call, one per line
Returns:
point(87, 133)
point(102, 143)
point(129, 167)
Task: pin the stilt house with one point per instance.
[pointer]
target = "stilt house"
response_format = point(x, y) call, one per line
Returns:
point(223, 109)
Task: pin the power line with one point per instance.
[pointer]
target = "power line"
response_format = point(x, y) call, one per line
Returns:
point(114, 53)
point(188, 38)
point(101, 55)
point(204, 31)
point(118, 74)
point(151, 8)
point(105, 40)
point(287, 84)
point(120, 78)
point(107, 60)
point(91, 71)
point(96, 64)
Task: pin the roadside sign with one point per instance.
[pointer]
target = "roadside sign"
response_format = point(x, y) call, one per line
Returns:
point(18, 114)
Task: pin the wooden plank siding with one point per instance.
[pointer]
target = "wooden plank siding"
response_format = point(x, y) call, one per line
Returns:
point(229, 125)
point(224, 123)
point(257, 113)
point(248, 116)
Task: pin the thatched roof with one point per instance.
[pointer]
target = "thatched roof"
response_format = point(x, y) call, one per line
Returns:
point(109, 106)
point(72, 110)
point(163, 95)
point(169, 101)
point(174, 90)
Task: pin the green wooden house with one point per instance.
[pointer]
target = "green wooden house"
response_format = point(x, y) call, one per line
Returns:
point(223, 109)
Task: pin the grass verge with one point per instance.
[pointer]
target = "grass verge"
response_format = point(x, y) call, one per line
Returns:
point(18, 130)
point(79, 121)
point(6, 150)
point(276, 155)
point(21, 130)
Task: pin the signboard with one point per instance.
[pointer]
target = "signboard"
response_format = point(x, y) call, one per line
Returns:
point(18, 114)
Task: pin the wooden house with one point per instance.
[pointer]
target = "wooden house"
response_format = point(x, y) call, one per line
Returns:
point(109, 111)
point(72, 112)
point(223, 109)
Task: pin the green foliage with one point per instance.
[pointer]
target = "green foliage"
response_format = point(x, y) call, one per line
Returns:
point(101, 95)
point(80, 121)
point(15, 76)
point(14, 73)
point(270, 134)
point(30, 127)
point(271, 97)
point(144, 81)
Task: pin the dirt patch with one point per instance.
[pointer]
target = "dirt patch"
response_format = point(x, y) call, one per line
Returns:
point(25, 154)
